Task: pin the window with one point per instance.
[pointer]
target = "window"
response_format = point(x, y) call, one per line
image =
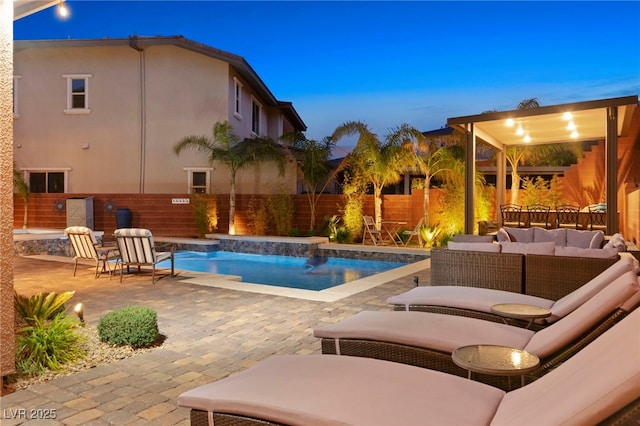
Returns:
point(16, 79)
point(77, 93)
point(198, 180)
point(256, 110)
point(46, 182)
point(237, 91)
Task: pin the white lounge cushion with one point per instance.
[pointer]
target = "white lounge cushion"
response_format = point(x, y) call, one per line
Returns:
point(443, 333)
point(557, 236)
point(584, 239)
point(336, 390)
point(571, 301)
point(595, 253)
point(472, 238)
point(484, 247)
point(598, 381)
point(547, 248)
point(616, 241)
point(520, 235)
point(474, 298)
point(548, 340)
point(502, 235)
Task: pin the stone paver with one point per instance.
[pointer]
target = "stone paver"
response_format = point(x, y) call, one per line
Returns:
point(210, 333)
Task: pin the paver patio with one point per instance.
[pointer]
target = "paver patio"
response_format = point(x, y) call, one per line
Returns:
point(210, 333)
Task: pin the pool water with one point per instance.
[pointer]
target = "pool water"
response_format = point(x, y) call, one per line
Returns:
point(282, 271)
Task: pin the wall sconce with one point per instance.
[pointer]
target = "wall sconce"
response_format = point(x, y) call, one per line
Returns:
point(62, 10)
point(58, 206)
point(79, 310)
point(85, 146)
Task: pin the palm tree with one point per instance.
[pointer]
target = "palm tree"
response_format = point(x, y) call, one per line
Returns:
point(313, 167)
point(234, 153)
point(22, 189)
point(380, 163)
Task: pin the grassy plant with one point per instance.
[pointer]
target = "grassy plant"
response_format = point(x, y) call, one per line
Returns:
point(258, 223)
point(47, 344)
point(40, 307)
point(354, 206)
point(281, 210)
point(205, 211)
point(135, 326)
point(430, 235)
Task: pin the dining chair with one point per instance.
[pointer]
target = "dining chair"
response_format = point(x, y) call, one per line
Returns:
point(370, 230)
point(415, 232)
point(538, 215)
point(567, 216)
point(511, 215)
point(597, 218)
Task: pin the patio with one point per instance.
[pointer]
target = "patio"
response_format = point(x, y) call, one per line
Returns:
point(210, 333)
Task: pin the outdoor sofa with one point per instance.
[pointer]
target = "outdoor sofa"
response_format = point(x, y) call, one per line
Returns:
point(596, 386)
point(534, 261)
point(428, 340)
point(478, 302)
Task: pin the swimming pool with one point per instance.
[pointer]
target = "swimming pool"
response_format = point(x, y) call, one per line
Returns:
point(283, 271)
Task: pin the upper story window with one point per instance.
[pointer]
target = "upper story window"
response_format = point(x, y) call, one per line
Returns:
point(198, 180)
point(256, 112)
point(237, 98)
point(16, 80)
point(77, 93)
point(47, 181)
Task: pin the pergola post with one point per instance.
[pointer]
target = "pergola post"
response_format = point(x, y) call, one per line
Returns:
point(470, 173)
point(611, 170)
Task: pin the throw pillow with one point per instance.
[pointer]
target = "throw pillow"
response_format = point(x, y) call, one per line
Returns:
point(584, 239)
point(520, 235)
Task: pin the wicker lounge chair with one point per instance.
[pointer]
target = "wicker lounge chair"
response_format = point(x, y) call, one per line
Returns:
point(428, 340)
point(477, 302)
point(324, 390)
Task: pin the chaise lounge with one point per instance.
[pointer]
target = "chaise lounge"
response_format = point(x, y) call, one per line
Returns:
point(598, 385)
point(478, 302)
point(428, 340)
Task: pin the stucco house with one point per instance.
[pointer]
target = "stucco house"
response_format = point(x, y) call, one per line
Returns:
point(103, 115)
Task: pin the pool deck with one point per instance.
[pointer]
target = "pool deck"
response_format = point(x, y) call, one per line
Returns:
point(211, 332)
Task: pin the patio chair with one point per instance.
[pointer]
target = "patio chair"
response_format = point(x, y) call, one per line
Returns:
point(85, 246)
point(567, 216)
point(370, 231)
point(415, 232)
point(538, 215)
point(597, 218)
point(478, 302)
point(598, 385)
point(511, 215)
point(428, 340)
point(137, 248)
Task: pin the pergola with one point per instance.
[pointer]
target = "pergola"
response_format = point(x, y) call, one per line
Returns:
point(592, 120)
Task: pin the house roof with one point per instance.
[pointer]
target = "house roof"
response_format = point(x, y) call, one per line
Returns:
point(22, 8)
point(238, 63)
point(547, 125)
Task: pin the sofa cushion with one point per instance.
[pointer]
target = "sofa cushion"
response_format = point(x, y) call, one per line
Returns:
point(547, 248)
point(471, 238)
point(558, 236)
point(587, 252)
point(616, 241)
point(486, 247)
point(584, 239)
point(520, 235)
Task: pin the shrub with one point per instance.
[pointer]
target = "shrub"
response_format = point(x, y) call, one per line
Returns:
point(135, 326)
point(281, 209)
point(40, 307)
point(258, 216)
point(47, 344)
point(205, 212)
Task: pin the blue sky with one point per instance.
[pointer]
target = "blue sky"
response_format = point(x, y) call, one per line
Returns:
point(387, 63)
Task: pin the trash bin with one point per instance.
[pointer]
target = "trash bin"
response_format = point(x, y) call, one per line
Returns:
point(123, 218)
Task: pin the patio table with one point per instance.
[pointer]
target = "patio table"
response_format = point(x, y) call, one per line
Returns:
point(391, 228)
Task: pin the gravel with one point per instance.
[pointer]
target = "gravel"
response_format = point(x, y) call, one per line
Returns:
point(97, 354)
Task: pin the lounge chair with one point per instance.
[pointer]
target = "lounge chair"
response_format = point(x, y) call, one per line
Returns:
point(85, 246)
point(599, 385)
point(138, 249)
point(428, 340)
point(477, 302)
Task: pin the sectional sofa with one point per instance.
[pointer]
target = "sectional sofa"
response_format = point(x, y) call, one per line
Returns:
point(534, 261)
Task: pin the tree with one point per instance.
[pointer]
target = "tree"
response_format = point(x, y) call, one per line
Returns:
point(380, 163)
point(22, 188)
point(235, 154)
point(313, 167)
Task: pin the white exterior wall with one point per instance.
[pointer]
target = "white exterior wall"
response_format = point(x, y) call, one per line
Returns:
point(133, 126)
